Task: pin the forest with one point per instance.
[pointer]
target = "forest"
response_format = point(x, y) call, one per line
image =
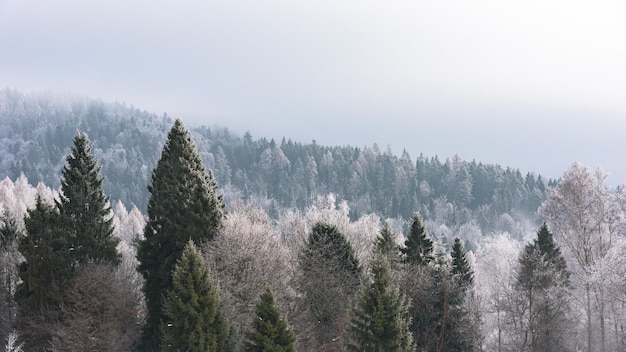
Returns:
point(236, 244)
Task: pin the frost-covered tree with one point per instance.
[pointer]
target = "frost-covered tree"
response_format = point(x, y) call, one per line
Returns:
point(270, 332)
point(379, 316)
point(247, 257)
point(183, 205)
point(84, 209)
point(586, 218)
point(9, 259)
point(193, 319)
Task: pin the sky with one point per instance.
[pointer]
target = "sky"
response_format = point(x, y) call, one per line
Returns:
point(533, 84)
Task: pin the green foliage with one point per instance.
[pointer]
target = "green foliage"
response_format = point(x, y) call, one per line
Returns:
point(48, 268)
point(542, 282)
point(418, 247)
point(379, 318)
point(9, 258)
point(183, 205)
point(193, 320)
point(460, 266)
point(387, 245)
point(85, 210)
point(331, 275)
point(270, 332)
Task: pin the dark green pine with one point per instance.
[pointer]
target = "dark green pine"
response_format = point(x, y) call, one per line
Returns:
point(85, 209)
point(270, 332)
point(460, 265)
point(193, 320)
point(547, 247)
point(387, 244)
point(418, 247)
point(379, 318)
point(183, 205)
point(48, 266)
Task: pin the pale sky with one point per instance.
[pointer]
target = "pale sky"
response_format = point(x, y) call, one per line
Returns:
point(534, 85)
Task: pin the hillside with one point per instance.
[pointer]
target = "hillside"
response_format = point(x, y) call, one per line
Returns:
point(38, 130)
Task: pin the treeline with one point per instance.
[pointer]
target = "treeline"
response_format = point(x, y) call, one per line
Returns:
point(276, 176)
point(204, 277)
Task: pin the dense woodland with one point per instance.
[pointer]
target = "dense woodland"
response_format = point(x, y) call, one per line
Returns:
point(240, 244)
point(276, 176)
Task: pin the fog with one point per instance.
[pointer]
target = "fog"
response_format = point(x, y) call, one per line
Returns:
point(534, 85)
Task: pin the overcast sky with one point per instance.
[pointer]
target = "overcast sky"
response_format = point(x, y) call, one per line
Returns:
point(530, 84)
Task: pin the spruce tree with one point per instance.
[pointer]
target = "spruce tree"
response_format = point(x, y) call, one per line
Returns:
point(270, 332)
point(379, 318)
point(460, 265)
point(46, 272)
point(84, 208)
point(183, 205)
point(193, 320)
point(331, 276)
point(542, 282)
point(10, 233)
point(386, 243)
point(418, 247)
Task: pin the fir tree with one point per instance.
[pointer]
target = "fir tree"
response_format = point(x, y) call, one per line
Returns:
point(9, 258)
point(85, 209)
point(331, 274)
point(379, 318)
point(46, 272)
point(193, 320)
point(387, 245)
point(418, 247)
point(542, 281)
point(460, 265)
point(270, 332)
point(183, 205)
point(48, 267)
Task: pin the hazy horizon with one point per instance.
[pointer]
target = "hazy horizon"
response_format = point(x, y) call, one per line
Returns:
point(534, 85)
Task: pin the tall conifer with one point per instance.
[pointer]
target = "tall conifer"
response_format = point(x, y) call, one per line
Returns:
point(183, 205)
point(193, 320)
point(85, 210)
point(418, 247)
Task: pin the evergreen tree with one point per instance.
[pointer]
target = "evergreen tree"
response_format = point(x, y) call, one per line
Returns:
point(270, 332)
point(183, 205)
point(460, 266)
point(193, 320)
point(85, 209)
point(418, 245)
point(387, 245)
point(542, 281)
point(45, 273)
point(331, 274)
point(379, 318)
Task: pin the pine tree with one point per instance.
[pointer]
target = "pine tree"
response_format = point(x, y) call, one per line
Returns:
point(183, 205)
point(193, 320)
point(85, 210)
point(45, 273)
point(460, 265)
point(542, 281)
point(48, 267)
point(270, 332)
point(418, 248)
point(379, 318)
point(387, 244)
point(331, 275)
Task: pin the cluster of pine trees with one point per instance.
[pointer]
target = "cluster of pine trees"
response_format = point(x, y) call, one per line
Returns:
point(206, 278)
